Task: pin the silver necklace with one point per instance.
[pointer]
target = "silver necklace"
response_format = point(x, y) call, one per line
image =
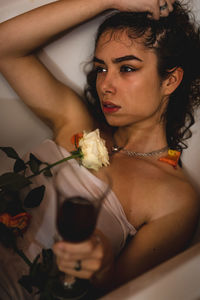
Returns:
point(130, 153)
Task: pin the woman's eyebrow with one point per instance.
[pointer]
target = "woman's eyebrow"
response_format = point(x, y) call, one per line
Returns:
point(95, 59)
point(118, 59)
point(126, 57)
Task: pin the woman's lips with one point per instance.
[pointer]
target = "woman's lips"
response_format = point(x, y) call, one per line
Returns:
point(109, 107)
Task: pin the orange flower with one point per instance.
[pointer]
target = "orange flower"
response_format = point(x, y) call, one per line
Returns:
point(76, 138)
point(172, 157)
point(18, 223)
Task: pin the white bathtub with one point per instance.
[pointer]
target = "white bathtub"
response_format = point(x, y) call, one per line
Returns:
point(178, 278)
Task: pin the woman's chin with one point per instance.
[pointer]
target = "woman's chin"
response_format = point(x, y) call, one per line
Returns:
point(115, 122)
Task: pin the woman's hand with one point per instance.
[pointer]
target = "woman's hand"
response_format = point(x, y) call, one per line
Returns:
point(165, 7)
point(83, 259)
point(155, 8)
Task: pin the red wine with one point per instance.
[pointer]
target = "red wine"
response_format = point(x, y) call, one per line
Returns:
point(76, 219)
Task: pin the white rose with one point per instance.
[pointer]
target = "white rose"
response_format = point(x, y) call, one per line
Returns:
point(95, 154)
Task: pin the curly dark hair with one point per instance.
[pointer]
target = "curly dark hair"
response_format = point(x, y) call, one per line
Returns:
point(176, 42)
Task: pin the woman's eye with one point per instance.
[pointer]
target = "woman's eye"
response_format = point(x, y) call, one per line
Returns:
point(99, 69)
point(127, 69)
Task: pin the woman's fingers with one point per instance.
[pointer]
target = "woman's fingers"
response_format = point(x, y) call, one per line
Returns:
point(153, 7)
point(164, 9)
point(80, 260)
point(86, 267)
point(82, 268)
point(84, 259)
point(85, 264)
point(166, 6)
point(154, 10)
point(160, 8)
point(170, 5)
point(92, 248)
point(84, 274)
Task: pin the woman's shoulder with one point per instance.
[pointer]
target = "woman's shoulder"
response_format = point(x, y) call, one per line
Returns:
point(176, 194)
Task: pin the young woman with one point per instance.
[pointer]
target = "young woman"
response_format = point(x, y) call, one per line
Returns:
point(141, 94)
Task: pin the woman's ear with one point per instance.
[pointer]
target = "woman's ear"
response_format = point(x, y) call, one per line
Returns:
point(173, 80)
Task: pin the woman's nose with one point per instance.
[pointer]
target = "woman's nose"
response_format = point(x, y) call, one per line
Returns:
point(108, 83)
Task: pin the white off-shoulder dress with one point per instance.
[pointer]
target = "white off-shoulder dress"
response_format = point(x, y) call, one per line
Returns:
point(69, 179)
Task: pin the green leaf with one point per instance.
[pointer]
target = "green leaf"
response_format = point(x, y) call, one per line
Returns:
point(48, 173)
point(19, 165)
point(47, 260)
point(3, 204)
point(34, 197)
point(34, 266)
point(38, 276)
point(10, 152)
point(47, 255)
point(13, 181)
point(41, 276)
point(34, 163)
point(10, 202)
point(2, 207)
point(7, 237)
point(26, 282)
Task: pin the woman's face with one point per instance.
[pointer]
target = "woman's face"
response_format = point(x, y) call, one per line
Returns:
point(129, 87)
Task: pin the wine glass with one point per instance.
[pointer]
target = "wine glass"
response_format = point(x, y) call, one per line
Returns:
point(76, 220)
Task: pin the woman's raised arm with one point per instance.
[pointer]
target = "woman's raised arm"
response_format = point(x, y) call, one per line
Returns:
point(19, 37)
point(51, 100)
